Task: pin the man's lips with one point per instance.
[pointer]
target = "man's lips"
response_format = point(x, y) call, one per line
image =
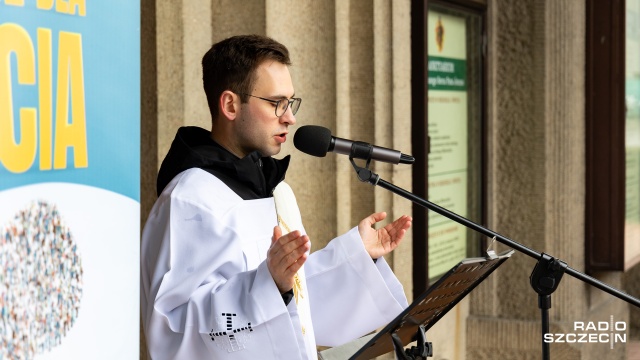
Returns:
point(281, 138)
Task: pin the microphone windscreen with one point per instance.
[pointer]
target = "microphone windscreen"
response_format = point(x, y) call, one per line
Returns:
point(313, 140)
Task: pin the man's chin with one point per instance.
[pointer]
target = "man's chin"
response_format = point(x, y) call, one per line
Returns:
point(270, 152)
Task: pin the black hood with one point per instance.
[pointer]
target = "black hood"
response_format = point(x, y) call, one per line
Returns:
point(252, 177)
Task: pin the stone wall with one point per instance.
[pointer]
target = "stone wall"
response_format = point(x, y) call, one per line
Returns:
point(351, 66)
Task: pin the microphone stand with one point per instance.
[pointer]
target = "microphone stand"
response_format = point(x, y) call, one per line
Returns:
point(548, 271)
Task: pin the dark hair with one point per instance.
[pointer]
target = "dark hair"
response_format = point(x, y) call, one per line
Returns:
point(231, 64)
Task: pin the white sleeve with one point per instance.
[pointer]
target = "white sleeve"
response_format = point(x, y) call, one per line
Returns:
point(196, 291)
point(350, 294)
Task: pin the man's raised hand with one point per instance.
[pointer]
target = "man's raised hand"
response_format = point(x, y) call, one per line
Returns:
point(382, 241)
point(286, 256)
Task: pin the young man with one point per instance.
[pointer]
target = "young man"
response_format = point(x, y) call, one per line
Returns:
point(219, 278)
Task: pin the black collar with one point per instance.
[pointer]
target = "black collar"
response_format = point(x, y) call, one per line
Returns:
point(251, 177)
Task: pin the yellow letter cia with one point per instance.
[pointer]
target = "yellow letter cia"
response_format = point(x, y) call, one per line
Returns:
point(16, 157)
point(70, 87)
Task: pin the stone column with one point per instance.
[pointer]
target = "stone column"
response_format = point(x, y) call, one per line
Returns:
point(308, 30)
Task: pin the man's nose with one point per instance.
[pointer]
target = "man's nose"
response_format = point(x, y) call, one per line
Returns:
point(288, 117)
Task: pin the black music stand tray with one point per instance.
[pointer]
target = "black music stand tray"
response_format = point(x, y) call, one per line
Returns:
point(429, 308)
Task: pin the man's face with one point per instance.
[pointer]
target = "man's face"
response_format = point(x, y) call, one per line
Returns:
point(257, 127)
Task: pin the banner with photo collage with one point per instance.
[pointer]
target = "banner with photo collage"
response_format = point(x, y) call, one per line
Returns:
point(69, 179)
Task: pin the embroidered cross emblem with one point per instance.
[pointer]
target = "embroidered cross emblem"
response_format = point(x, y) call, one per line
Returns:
point(231, 339)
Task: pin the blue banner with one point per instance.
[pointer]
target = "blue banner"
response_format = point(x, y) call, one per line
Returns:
point(69, 179)
point(70, 94)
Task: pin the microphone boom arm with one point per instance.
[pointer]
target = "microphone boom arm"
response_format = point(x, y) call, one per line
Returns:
point(366, 175)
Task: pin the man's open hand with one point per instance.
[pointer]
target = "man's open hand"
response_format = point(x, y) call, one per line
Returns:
point(286, 256)
point(382, 241)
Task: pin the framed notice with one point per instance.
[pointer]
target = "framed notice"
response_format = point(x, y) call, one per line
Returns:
point(447, 65)
point(447, 123)
point(69, 179)
point(454, 122)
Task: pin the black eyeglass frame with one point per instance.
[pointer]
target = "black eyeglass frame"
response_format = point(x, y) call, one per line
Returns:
point(290, 102)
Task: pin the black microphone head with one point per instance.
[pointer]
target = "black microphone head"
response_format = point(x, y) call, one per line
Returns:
point(313, 140)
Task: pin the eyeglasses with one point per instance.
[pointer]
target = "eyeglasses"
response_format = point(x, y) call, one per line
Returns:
point(282, 105)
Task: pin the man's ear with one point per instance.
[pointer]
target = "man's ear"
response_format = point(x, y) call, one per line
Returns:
point(229, 104)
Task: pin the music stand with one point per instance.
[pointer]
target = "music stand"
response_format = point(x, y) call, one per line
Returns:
point(429, 308)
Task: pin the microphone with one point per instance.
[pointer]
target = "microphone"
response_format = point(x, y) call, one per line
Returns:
point(317, 141)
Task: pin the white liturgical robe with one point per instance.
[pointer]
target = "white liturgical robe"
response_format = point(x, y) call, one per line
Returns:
point(207, 292)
